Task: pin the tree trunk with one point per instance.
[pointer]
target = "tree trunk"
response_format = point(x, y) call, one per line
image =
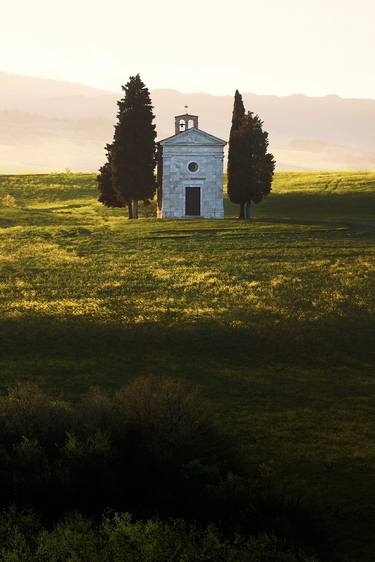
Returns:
point(135, 209)
point(242, 211)
point(130, 210)
point(247, 210)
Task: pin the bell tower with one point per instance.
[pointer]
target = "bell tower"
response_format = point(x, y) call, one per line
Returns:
point(185, 122)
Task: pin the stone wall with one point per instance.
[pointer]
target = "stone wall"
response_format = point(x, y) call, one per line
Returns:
point(177, 176)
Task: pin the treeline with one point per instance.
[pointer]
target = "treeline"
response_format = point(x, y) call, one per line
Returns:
point(155, 450)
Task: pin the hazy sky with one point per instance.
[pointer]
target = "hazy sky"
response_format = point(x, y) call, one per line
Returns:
point(315, 47)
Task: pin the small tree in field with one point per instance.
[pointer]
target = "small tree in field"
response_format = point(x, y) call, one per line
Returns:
point(133, 152)
point(250, 165)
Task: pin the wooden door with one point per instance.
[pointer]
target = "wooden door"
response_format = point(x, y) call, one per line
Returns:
point(193, 202)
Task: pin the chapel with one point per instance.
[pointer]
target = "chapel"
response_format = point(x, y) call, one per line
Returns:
point(190, 172)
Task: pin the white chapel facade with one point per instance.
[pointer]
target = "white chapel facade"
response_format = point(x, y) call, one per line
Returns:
point(190, 172)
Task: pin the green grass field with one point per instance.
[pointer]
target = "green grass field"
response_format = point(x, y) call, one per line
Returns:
point(272, 318)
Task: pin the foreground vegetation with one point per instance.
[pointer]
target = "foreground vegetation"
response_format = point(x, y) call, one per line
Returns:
point(272, 318)
point(154, 449)
point(120, 539)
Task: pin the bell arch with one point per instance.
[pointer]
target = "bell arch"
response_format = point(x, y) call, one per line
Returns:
point(185, 122)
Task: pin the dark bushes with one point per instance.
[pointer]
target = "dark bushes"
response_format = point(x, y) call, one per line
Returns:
point(175, 425)
point(120, 539)
point(28, 413)
point(153, 449)
point(138, 450)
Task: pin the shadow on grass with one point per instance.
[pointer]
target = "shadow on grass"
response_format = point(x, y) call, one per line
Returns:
point(44, 347)
point(311, 205)
point(70, 355)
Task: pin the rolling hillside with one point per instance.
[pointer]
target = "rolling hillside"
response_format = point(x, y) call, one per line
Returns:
point(48, 125)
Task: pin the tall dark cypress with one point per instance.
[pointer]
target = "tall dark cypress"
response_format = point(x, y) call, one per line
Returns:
point(250, 165)
point(133, 152)
point(236, 152)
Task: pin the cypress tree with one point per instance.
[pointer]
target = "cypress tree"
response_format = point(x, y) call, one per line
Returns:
point(236, 153)
point(250, 165)
point(260, 164)
point(133, 152)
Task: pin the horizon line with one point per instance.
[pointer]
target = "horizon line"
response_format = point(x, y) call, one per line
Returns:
point(184, 93)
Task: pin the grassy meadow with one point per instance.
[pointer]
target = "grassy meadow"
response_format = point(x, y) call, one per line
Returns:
point(273, 319)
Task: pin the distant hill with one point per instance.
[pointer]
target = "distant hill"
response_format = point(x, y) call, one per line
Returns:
point(50, 125)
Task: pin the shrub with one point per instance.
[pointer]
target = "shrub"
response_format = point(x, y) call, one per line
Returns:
point(97, 413)
point(173, 422)
point(30, 471)
point(27, 412)
point(74, 539)
point(87, 477)
point(119, 538)
point(32, 429)
point(176, 449)
point(19, 531)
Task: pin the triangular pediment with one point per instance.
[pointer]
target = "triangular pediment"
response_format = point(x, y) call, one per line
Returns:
point(193, 136)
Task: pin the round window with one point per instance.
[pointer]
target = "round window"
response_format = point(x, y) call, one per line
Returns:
point(193, 167)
